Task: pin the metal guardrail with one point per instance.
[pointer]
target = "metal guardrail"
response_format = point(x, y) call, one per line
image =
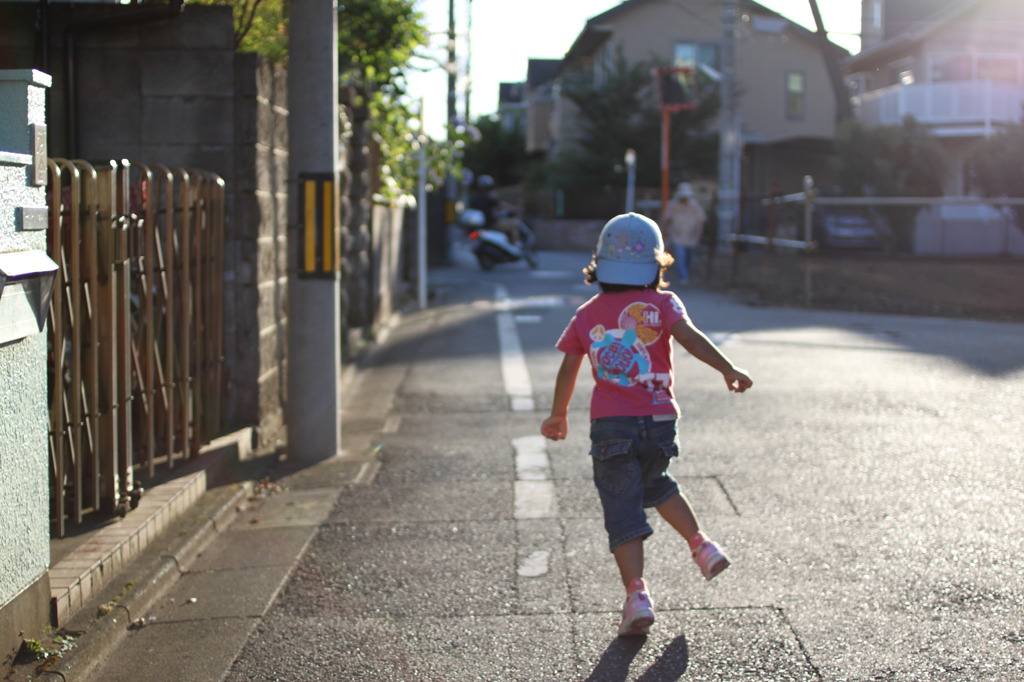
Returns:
point(135, 328)
point(809, 197)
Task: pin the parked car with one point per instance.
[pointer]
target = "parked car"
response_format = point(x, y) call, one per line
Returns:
point(843, 227)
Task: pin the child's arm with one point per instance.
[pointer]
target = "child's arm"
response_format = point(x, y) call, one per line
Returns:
point(556, 427)
point(702, 348)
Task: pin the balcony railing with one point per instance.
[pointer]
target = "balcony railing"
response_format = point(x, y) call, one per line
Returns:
point(958, 107)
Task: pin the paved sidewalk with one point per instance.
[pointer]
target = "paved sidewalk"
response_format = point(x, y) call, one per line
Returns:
point(182, 605)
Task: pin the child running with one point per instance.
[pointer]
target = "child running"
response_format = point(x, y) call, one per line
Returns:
point(626, 331)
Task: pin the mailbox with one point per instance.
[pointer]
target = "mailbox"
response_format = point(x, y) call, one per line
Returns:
point(26, 286)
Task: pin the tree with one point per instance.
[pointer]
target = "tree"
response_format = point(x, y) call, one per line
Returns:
point(995, 166)
point(620, 111)
point(500, 151)
point(261, 26)
point(377, 39)
point(890, 161)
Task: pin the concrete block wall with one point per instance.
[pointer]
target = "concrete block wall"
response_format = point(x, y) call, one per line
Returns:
point(160, 87)
point(159, 91)
point(390, 285)
point(173, 91)
point(24, 460)
point(260, 242)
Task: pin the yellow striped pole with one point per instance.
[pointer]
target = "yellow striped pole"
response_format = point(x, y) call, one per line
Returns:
point(319, 255)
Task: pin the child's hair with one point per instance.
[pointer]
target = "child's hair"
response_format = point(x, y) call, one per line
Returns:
point(665, 260)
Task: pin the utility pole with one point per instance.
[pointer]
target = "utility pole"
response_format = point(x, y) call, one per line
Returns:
point(453, 69)
point(844, 110)
point(730, 143)
point(450, 193)
point(313, 412)
point(469, 56)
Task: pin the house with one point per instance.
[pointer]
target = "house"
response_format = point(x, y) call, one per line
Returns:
point(540, 76)
point(512, 107)
point(24, 496)
point(959, 71)
point(785, 101)
point(957, 67)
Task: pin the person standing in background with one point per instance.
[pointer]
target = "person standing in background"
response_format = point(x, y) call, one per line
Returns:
point(682, 225)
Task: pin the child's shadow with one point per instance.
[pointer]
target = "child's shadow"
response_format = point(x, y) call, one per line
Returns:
point(617, 658)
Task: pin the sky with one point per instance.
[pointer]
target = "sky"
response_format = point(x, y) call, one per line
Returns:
point(504, 35)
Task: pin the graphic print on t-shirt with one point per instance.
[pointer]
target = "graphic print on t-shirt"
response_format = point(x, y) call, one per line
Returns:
point(644, 318)
point(620, 356)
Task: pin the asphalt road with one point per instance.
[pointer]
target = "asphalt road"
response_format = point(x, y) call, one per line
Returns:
point(868, 488)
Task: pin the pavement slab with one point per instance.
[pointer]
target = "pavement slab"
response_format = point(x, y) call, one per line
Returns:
point(406, 568)
point(145, 655)
point(481, 648)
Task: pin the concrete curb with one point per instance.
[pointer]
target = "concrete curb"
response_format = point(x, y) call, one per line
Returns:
point(161, 568)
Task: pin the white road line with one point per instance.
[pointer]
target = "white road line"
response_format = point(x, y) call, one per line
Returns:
point(535, 500)
point(513, 363)
point(531, 459)
point(535, 565)
point(534, 489)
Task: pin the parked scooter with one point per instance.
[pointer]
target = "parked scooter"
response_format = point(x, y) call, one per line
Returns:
point(509, 241)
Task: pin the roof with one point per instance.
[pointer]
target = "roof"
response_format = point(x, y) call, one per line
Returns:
point(596, 32)
point(510, 93)
point(541, 71)
point(915, 33)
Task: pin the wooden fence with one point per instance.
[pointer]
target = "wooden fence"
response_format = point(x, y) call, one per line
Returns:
point(135, 328)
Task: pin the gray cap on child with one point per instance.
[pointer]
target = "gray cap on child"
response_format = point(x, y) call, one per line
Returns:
point(627, 250)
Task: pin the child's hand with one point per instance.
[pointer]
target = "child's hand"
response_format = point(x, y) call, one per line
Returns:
point(555, 427)
point(737, 380)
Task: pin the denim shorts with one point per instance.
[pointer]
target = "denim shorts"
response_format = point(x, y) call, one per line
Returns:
point(631, 457)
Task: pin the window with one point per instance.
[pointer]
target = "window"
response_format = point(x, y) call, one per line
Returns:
point(992, 67)
point(795, 95)
point(692, 55)
point(900, 72)
point(1002, 69)
point(603, 65)
point(956, 68)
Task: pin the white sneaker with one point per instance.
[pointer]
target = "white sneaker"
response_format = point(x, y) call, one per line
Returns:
point(637, 614)
point(711, 559)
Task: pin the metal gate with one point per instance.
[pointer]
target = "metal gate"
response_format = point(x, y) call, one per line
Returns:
point(135, 350)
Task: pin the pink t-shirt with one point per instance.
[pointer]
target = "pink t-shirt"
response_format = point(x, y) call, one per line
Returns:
point(626, 336)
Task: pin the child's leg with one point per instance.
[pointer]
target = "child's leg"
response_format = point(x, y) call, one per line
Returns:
point(637, 611)
point(679, 514)
point(629, 556)
point(709, 556)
